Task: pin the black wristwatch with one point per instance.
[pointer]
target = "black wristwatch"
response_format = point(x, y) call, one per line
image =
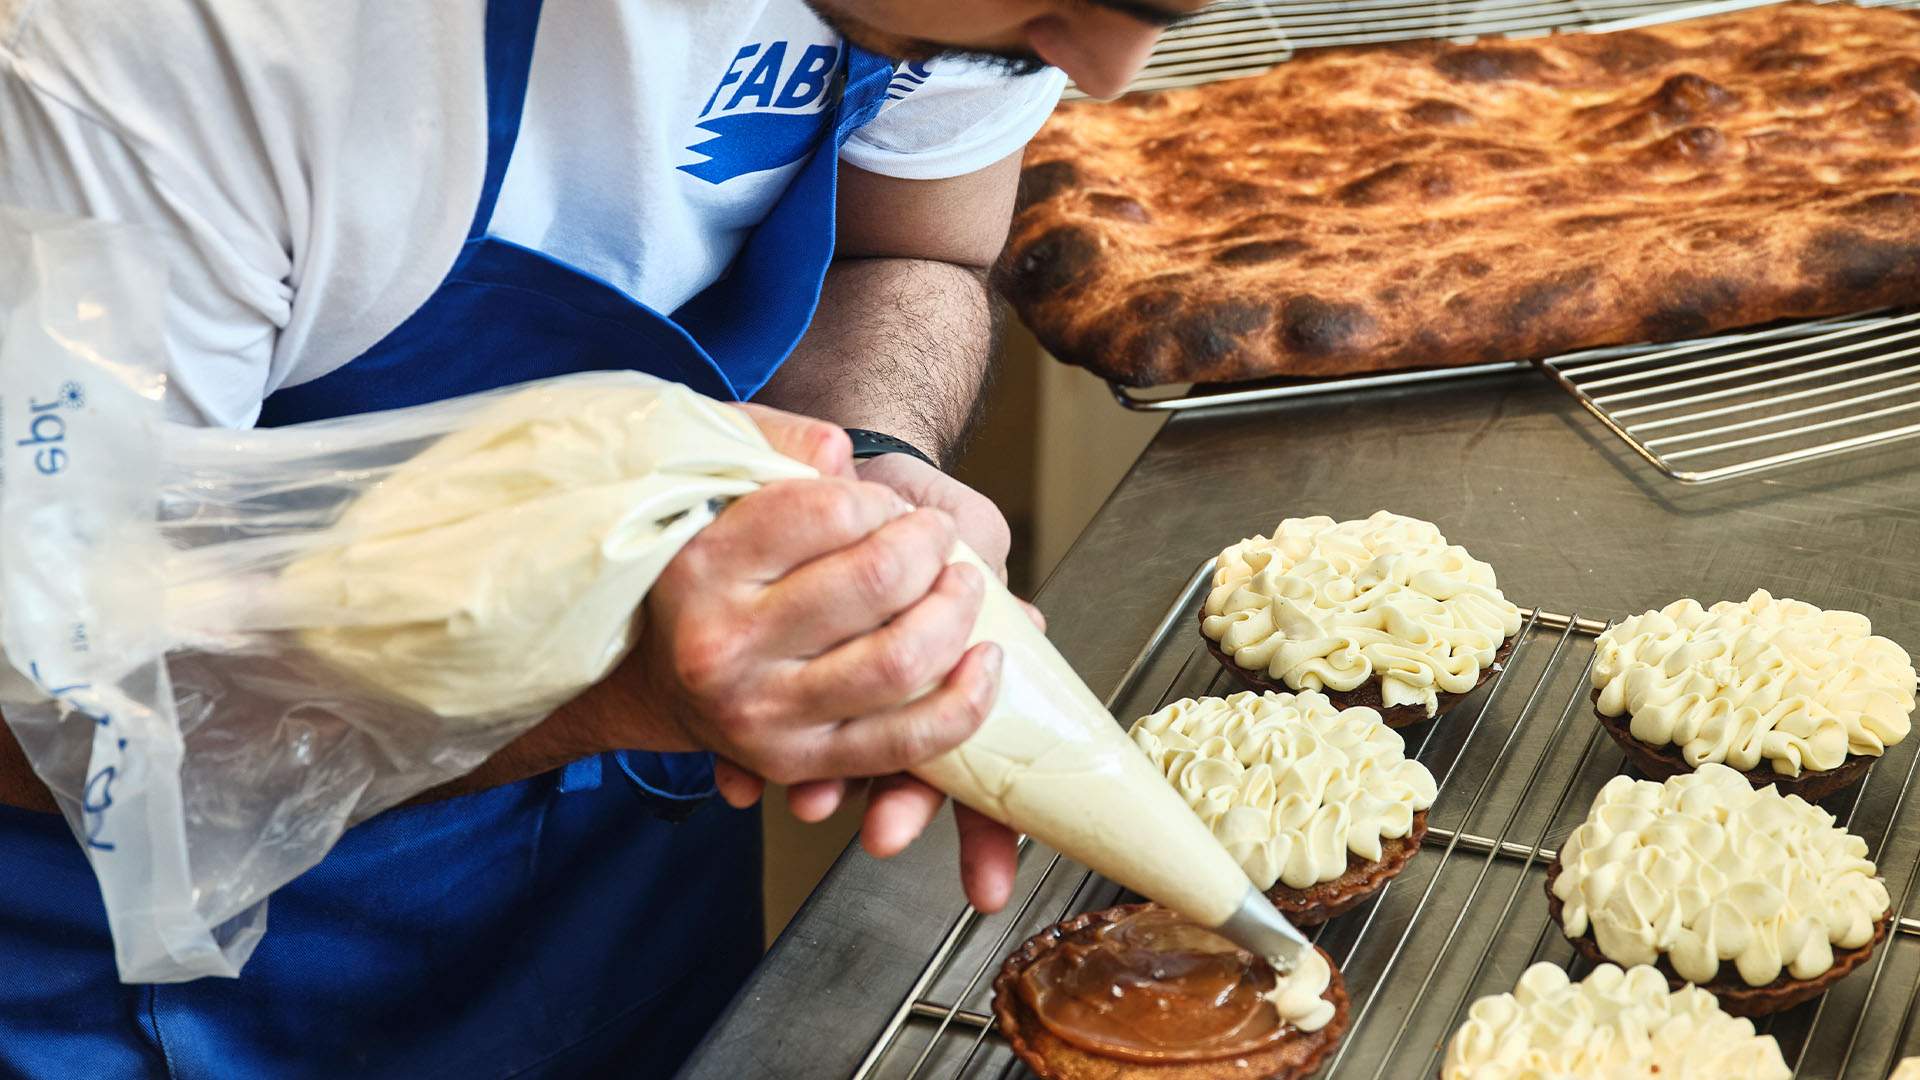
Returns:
point(871, 444)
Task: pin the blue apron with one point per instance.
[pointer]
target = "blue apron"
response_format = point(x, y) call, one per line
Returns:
point(593, 918)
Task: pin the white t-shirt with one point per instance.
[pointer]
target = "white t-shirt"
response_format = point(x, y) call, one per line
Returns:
point(313, 167)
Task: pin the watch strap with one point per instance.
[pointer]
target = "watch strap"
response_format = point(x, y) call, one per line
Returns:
point(872, 444)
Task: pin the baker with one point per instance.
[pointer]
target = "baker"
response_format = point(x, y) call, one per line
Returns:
point(366, 206)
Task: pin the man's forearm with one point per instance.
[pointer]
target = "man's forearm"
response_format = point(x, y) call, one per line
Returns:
point(902, 346)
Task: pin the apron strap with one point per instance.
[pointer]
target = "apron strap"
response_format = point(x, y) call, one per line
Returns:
point(511, 27)
point(779, 272)
point(868, 77)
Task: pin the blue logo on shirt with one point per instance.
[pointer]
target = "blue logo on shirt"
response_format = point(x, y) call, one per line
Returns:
point(909, 78)
point(766, 112)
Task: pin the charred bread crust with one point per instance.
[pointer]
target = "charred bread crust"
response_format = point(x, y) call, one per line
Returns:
point(1431, 204)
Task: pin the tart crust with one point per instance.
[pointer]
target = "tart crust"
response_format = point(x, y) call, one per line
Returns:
point(1661, 762)
point(1367, 694)
point(1733, 993)
point(1324, 900)
point(1053, 1058)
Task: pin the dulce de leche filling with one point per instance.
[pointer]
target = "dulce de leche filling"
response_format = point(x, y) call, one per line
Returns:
point(1153, 987)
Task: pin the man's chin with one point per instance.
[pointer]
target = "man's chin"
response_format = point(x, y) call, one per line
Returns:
point(897, 47)
point(870, 38)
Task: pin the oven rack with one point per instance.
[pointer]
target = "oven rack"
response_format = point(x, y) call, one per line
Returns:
point(1235, 38)
point(1645, 394)
point(1716, 409)
point(1245, 37)
point(1517, 765)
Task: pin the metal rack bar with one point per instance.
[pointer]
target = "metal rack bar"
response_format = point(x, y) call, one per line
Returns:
point(1880, 960)
point(999, 946)
point(1486, 784)
point(1775, 436)
point(1215, 397)
point(1673, 432)
point(964, 1017)
point(1605, 359)
point(1533, 777)
point(1721, 378)
point(1520, 881)
point(1667, 369)
point(913, 1005)
point(1913, 999)
point(1798, 395)
point(1782, 399)
point(1244, 37)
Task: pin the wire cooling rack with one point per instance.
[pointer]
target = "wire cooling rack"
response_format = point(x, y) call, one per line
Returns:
point(1711, 410)
point(1517, 765)
point(1651, 396)
point(1245, 37)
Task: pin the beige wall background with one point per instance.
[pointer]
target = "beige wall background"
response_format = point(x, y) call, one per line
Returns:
point(1051, 449)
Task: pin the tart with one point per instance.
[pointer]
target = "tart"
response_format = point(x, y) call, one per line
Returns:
point(1758, 898)
point(1319, 805)
point(1779, 690)
point(1380, 612)
point(1139, 993)
point(1611, 1023)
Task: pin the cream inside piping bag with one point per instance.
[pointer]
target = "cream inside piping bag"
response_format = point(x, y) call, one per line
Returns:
point(494, 573)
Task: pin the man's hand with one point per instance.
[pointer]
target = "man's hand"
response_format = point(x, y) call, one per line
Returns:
point(791, 634)
point(901, 344)
point(899, 807)
point(975, 518)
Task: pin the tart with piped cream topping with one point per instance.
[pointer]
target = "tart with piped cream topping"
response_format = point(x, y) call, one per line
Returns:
point(1381, 612)
point(1757, 897)
point(1319, 805)
point(1622, 1025)
point(1778, 689)
point(1137, 992)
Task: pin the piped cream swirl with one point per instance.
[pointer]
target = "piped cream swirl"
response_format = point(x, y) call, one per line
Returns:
point(1612, 1025)
point(1300, 996)
point(1768, 679)
point(1326, 605)
point(1704, 868)
point(1288, 783)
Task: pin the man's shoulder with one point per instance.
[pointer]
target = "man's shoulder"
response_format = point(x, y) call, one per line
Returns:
point(178, 50)
point(281, 145)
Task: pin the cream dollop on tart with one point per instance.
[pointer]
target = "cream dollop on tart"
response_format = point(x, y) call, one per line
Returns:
point(1612, 1025)
point(1759, 897)
point(1382, 612)
point(1320, 805)
point(1779, 689)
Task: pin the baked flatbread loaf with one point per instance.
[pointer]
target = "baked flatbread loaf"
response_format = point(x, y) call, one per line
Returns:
point(1438, 204)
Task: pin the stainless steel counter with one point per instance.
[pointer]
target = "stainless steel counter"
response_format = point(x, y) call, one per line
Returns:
point(1508, 466)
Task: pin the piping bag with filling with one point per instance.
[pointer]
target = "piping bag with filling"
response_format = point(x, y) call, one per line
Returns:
point(1051, 762)
point(1049, 759)
point(236, 644)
